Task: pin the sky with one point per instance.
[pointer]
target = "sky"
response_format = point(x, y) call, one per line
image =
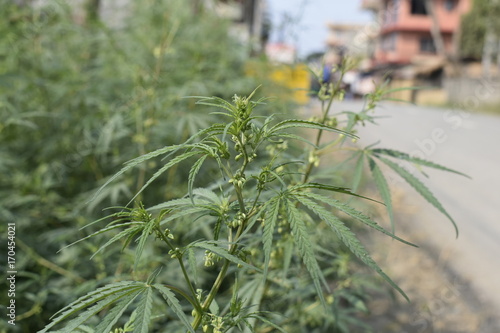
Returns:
point(305, 26)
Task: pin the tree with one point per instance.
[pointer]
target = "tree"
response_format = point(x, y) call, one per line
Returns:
point(480, 33)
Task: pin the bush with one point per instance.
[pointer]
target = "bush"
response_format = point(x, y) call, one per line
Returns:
point(79, 100)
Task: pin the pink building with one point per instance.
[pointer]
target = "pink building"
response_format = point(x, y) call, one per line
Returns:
point(405, 28)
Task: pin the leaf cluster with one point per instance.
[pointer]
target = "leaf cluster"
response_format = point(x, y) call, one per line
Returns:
point(79, 99)
point(259, 210)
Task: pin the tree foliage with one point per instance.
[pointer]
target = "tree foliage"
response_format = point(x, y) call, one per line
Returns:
point(474, 26)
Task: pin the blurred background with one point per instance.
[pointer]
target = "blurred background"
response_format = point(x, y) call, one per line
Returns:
point(86, 85)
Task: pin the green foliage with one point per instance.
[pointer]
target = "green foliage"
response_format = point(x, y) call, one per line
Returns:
point(264, 229)
point(410, 178)
point(235, 215)
point(474, 26)
point(77, 101)
point(119, 295)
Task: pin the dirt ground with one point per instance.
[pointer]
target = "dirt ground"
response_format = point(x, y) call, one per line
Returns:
point(441, 301)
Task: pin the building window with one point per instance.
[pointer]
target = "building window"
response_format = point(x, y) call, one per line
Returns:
point(389, 42)
point(427, 45)
point(450, 5)
point(418, 7)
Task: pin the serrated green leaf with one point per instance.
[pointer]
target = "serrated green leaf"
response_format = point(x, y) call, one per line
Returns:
point(330, 188)
point(143, 311)
point(248, 325)
point(183, 212)
point(287, 258)
point(193, 172)
point(268, 232)
point(298, 138)
point(147, 229)
point(349, 211)
point(223, 104)
point(297, 123)
point(107, 323)
point(129, 233)
point(222, 252)
point(172, 203)
point(163, 169)
point(348, 238)
point(201, 197)
point(174, 304)
point(208, 194)
point(305, 247)
point(215, 129)
point(192, 265)
point(416, 160)
point(220, 114)
point(354, 117)
point(153, 276)
point(123, 217)
point(278, 177)
point(217, 228)
point(268, 322)
point(320, 186)
point(133, 163)
point(84, 329)
point(358, 171)
point(251, 295)
point(351, 119)
point(214, 308)
point(248, 291)
point(420, 188)
point(383, 189)
point(100, 232)
point(94, 295)
point(96, 300)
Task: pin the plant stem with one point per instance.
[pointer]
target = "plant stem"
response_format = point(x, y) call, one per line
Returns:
point(183, 268)
point(241, 228)
point(222, 274)
point(194, 301)
point(323, 120)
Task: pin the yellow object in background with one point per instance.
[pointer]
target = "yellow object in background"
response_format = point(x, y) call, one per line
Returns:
point(295, 77)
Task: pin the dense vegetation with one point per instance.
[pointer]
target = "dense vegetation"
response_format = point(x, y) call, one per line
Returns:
point(482, 18)
point(76, 102)
point(229, 223)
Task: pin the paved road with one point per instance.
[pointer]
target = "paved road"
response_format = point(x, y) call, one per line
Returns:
point(467, 142)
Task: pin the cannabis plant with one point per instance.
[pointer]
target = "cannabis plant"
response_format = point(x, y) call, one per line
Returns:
point(76, 102)
point(227, 256)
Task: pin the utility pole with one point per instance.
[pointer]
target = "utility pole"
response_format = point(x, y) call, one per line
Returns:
point(488, 50)
point(491, 40)
point(437, 37)
point(436, 29)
